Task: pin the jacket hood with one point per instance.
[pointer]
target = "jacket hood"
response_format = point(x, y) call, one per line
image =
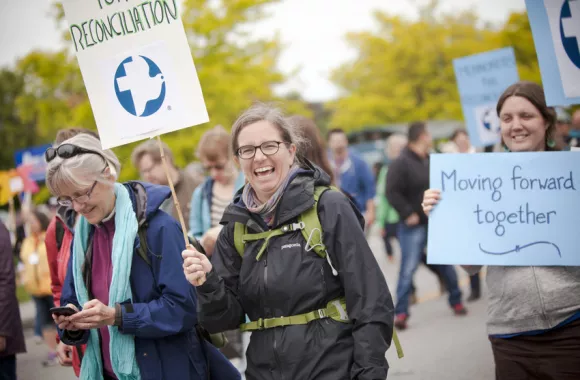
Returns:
point(147, 198)
point(298, 196)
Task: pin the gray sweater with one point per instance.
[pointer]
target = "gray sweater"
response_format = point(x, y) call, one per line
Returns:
point(530, 298)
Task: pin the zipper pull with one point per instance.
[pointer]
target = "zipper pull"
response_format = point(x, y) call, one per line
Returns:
point(334, 271)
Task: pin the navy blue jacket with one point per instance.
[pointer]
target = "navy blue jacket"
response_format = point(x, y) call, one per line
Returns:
point(163, 314)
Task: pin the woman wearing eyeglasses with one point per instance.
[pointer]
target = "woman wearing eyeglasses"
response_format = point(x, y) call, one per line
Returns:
point(210, 199)
point(312, 316)
point(135, 312)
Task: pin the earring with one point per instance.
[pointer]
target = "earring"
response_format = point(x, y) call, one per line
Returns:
point(551, 143)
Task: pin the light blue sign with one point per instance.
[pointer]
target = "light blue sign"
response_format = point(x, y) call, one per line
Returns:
point(481, 79)
point(556, 30)
point(33, 156)
point(505, 209)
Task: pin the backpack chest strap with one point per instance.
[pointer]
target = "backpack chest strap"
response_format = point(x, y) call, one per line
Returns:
point(335, 309)
point(267, 235)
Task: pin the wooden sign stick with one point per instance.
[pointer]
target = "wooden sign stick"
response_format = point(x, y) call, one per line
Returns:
point(173, 194)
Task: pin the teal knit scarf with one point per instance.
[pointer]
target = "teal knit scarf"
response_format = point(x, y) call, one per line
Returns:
point(122, 347)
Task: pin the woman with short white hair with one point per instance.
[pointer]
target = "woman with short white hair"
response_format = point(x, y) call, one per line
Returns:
point(133, 308)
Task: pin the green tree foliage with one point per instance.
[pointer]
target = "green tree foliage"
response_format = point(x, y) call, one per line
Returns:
point(45, 91)
point(404, 70)
point(14, 134)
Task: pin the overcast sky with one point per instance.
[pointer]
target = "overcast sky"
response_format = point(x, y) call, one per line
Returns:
point(312, 31)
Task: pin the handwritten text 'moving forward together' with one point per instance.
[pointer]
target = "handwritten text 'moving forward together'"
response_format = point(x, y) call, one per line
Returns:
point(519, 182)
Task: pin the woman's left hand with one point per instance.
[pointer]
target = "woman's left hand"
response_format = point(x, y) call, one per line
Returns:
point(95, 314)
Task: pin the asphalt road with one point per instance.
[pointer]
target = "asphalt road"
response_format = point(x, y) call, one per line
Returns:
point(437, 344)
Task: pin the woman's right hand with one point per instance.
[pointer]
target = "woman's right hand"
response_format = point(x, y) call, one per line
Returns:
point(195, 266)
point(430, 198)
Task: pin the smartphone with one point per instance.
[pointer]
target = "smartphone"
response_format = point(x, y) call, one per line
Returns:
point(63, 310)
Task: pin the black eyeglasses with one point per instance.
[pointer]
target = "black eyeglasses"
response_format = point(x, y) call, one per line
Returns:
point(269, 148)
point(67, 151)
point(68, 201)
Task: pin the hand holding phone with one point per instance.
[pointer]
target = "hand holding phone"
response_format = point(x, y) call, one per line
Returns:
point(61, 315)
point(63, 310)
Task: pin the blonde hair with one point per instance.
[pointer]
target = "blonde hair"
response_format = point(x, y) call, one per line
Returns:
point(215, 144)
point(80, 171)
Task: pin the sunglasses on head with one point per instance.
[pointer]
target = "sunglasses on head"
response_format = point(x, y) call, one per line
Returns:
point(66, 151)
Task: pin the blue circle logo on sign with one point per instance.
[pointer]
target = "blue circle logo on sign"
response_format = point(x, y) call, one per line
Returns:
point(570, 30)
point(489, 120)
point(139, 86)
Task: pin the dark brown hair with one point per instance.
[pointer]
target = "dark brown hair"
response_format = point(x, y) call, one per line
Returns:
point(266, 112)
point(457, 132)
point(335, 131)
point(42, 219)
point(315, 151)
point(534, 93)
point(416, 129)
point(67, 133)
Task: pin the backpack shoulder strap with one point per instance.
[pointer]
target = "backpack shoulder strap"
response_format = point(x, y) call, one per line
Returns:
point(239, 232)
point(312, 230)
point(59, 233)
point(143, 247)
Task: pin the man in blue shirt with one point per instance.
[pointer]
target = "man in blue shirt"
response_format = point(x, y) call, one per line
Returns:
point(352, 175)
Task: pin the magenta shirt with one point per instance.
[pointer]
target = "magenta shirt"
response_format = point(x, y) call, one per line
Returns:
point(102, 272)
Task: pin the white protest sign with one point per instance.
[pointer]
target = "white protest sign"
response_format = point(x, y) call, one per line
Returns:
point(16, 185)
point(137, 67)
point(564, 17)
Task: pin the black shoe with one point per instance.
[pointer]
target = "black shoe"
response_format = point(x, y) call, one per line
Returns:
point(474, 296)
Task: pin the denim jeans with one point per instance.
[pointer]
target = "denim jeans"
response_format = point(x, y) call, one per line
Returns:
point(413, 241)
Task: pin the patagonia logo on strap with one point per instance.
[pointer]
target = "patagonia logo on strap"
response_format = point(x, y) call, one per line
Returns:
point(294, 245)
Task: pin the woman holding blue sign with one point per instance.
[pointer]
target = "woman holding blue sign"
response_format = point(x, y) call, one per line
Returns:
point(130, 306)
point(534, 312)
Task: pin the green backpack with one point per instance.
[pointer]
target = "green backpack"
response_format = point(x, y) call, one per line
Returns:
point(311, 228)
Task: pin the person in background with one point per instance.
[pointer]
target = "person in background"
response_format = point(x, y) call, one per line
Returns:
point(562, 131)
point(124, 278)
point(387, 216)
point(407, 179)
point(11, 334)
point(195, 170)
point(210, 199)
point(352, 175)
point(377, 166)
point(574, 138)
point(208, 203)
point(146, 157)
point(36, 279)
point(58, 240)
point(315, 148)
point(460, 139)
point(533, 317)
point(287, 286)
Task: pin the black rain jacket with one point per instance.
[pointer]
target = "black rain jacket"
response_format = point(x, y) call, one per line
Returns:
point(288, 280)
